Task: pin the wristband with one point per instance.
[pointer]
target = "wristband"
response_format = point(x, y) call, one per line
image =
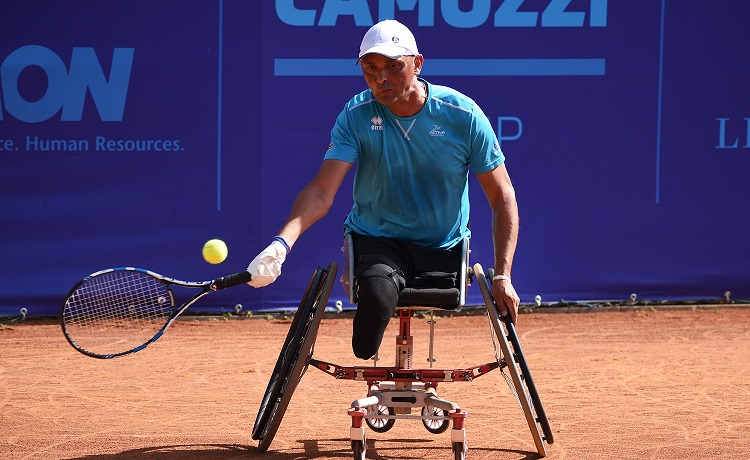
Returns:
point(283, 242)
point(501, 278)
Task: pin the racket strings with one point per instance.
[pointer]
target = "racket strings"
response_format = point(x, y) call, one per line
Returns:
point(115, 310)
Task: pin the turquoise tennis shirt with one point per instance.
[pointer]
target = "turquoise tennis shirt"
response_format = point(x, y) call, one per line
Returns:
point(412, 172)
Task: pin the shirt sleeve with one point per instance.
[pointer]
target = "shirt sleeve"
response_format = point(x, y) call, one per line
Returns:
point(344, 145)
point(485, 154)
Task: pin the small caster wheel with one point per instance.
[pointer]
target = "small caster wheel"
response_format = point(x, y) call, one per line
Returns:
point(435, 426)
point(381, 425)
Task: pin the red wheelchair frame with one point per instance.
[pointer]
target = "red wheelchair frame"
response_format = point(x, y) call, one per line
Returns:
point(395, 390)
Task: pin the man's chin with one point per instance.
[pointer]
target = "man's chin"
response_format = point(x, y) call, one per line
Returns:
point(386, 99)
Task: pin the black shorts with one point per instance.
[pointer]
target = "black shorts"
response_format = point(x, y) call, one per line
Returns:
point(417, 265)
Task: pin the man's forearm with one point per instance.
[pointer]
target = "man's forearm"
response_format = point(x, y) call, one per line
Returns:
point(308, 208)
point(505, 224)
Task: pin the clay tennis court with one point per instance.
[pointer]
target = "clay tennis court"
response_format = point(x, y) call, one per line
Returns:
point(635, 384)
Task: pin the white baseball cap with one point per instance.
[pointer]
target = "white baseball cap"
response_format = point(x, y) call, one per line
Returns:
point(389, 38)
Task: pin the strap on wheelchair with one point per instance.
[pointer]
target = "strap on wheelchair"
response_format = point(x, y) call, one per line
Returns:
point(382, 259)
point(379, 272)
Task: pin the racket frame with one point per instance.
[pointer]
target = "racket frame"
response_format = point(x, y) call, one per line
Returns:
point(205, 287)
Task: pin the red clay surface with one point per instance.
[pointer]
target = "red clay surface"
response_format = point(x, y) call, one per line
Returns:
point(615, 385)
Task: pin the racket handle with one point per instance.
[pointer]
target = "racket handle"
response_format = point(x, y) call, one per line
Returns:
point(231, 280)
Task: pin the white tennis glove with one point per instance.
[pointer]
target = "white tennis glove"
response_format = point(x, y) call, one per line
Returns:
point(266, 267)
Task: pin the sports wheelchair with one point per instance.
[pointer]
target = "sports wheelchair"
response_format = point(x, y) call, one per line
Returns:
point(393, 392)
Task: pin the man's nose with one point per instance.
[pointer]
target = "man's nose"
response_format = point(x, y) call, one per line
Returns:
point(382, 76)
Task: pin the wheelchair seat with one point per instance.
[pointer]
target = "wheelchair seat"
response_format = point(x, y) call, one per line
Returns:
point(422, 294)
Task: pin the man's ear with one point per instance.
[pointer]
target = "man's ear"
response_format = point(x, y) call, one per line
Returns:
point(418, 62)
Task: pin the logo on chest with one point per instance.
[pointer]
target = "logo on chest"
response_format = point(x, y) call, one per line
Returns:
point(377, 123)
point(437, 130)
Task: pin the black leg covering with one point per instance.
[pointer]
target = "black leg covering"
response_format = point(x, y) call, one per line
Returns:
point(378, 289)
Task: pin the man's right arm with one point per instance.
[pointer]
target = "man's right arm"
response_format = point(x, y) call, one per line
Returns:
point(314, 201)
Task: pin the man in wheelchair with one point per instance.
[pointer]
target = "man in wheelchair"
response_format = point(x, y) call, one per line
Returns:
point(414, 143)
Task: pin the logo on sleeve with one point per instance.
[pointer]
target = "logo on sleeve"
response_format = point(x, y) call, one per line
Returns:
point(496, 148)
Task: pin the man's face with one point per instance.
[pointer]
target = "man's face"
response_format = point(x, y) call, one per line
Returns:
point(391, 80)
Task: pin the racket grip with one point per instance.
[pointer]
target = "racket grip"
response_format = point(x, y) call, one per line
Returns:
point(232, 280)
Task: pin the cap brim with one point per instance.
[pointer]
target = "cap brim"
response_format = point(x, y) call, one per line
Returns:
point(390, 51)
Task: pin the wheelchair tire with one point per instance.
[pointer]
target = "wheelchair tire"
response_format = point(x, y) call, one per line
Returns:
point(283, 363)
point(381, 425)
point(294, 357)
point(515, 361)
point(526, 375)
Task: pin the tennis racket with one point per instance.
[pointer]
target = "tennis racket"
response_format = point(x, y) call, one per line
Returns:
point(119, 311)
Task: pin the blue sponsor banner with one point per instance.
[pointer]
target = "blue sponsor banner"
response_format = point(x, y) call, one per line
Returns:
point(449, 67)
point(132, 132)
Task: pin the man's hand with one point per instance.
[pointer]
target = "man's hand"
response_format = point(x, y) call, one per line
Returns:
point(266, 267)
point(506, 298)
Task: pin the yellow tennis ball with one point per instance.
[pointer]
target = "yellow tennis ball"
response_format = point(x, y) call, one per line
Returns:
point(215, 251)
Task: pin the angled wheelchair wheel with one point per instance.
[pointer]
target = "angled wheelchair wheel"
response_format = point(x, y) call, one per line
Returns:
point(432, 425)
point(381, 424)
point(294, 357)
point(282, 364)
point(512, 360)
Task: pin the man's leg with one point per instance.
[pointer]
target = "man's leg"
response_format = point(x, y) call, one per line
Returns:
point(379, 281)
point(378, 297)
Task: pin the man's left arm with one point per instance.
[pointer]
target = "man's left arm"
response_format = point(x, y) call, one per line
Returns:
point(502, 199)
